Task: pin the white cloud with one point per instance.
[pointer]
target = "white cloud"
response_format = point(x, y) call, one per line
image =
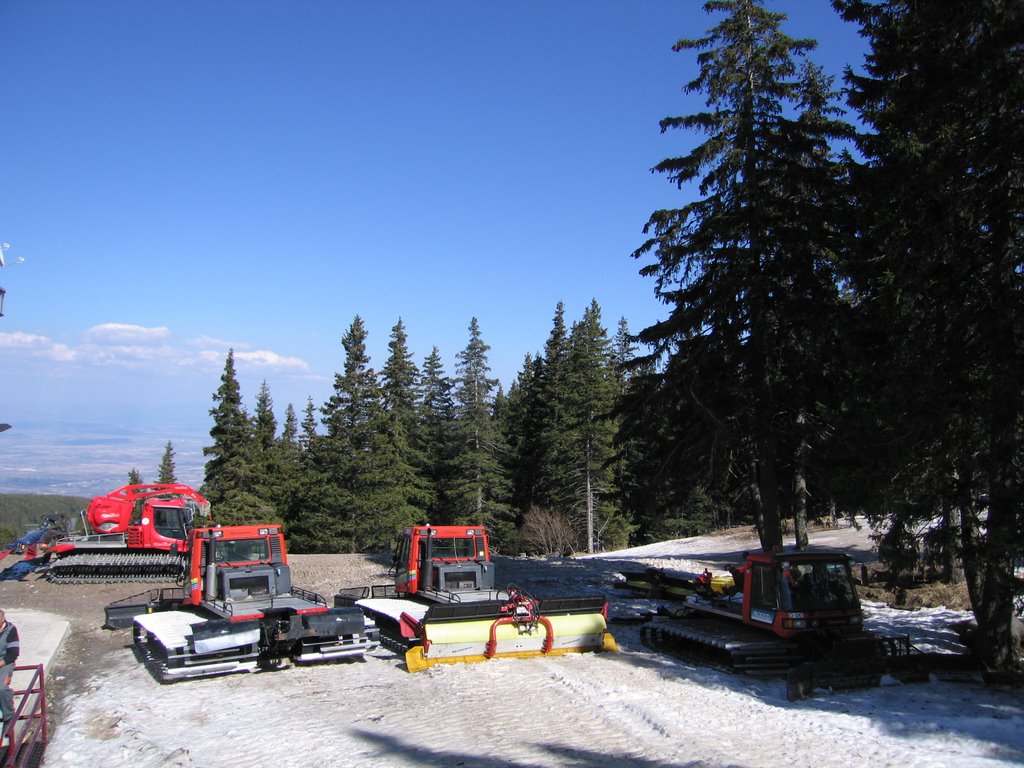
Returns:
point(209, 341)
point(260, 359)
point(37, 346)
point(263, 358)
point(125, 333)
point(122, 345)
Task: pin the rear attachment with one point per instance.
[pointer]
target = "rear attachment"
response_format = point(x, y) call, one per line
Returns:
point(102, 568)
point(518, 627)
point(178, 645)
point(181, 644)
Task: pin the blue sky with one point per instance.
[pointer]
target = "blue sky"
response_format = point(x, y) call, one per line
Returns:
point(186, 177)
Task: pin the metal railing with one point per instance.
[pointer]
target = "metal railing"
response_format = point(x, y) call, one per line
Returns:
point(25, 737)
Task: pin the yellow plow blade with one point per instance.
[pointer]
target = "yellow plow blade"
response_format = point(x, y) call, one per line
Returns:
point(455, 642)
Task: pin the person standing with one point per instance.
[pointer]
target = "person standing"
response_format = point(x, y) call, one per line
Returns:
point(10, 647)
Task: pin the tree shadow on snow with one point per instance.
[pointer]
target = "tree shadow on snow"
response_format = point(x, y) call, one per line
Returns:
point(405, 752)
point(936, 708)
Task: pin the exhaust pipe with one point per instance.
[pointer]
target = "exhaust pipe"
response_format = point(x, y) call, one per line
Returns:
point(210, 580)
point(428, 577)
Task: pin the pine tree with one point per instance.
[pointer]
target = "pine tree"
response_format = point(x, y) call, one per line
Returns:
point(748, 269)
point(479, 486)
point(408, 496)
point(229, 472)
point(938, 278)
point(520, 426)
point(309, 425)
point(309, 513)
point(436, 437)
point(288, 450)
point(591, 393)
point(165, 474)
point(267, 457)
point(553, 449)
point(134, 478)
point(358, 456)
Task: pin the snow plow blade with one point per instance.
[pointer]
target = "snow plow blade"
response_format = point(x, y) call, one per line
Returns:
point(517, 628)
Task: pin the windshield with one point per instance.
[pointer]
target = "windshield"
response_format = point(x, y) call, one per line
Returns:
point(816, 587)
point(167, 521)
point(241, 551)
point(453, 549)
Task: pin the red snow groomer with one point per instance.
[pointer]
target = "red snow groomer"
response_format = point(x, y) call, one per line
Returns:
point(131, 535)
point(237, 611)
point(794, 614)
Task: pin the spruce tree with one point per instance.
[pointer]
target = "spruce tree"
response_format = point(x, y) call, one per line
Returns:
point(266, 454)
point(309, 513)
point(165, 474)
point(369, 483)
point(553, 449)
point(938, 277)
point(406, 495)
point(479, 489)
point(591, 391)
point(229, 472)
point(309, 425)
point(521, 428)
point(436, 437)
point(748, 268)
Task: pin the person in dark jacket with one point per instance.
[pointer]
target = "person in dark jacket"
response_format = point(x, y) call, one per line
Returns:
point(10, 647)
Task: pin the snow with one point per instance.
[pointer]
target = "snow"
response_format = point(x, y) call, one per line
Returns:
point(633, 708)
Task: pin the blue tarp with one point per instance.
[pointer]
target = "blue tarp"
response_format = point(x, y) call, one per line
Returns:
point(22, 568)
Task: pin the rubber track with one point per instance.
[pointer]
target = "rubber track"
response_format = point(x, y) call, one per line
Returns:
point(722, 645)
point(123, 567)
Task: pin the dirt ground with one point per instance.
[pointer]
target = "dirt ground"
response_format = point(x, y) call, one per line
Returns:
point(912, 597)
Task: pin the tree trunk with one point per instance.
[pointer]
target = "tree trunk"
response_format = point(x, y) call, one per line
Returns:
point(768, 486)
point(590, 502)
point(800, 488)
point(1002, 527)
point(755, 498)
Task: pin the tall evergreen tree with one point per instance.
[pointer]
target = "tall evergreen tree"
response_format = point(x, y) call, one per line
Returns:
point(591, 393)
point(358, 456)
point(436, 437)
point(553, 446)
point(134, 478)
point(288, 464)
point(521, 426)
point(310, 515)
point(409, 494)
point(939, 278)
point(748, 268)
point(229, 471)
point(266, 457)
point(479, 486)
point(309, 424)
point(165, 474)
